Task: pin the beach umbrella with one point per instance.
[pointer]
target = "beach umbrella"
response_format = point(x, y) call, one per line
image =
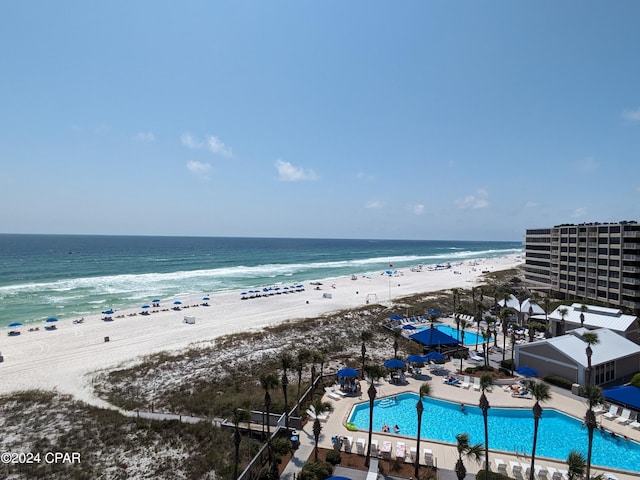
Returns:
point(347, 372)
point(394, 363)
point(155, 300)
point(433, 356)
point(108, 312)
point(15, 324)
point(415, 359)
point(338, 478)
point(527, 371)
point(177, 302)
point(408, 327)
point(395, 317)
point(145, 306)
point(433, 311)
point(52, 319)
point(205, 298)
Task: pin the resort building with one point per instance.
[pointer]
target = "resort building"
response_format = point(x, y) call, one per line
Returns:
point(593, 317)
point(592, 261)
point(614, 359)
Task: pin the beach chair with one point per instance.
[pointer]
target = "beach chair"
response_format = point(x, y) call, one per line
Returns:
point(609, 476)
point(374, 447)
point(474, 357)
point(612, 413)
point(401, 450)
point(636, 423)
point(541, 473)
point(526, 469)
point(428, 457)
point(348, 444)
point(476, 384)
point(501, 467)
point(624, 416)
point(385, 451)
point(554, 473)
point(466, 382)
point(413, 454)
point(331, 394)
point(323, 417)
point(360, 444)
point(516, 469)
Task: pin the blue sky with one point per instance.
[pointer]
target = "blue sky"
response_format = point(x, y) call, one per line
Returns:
point(410, 120)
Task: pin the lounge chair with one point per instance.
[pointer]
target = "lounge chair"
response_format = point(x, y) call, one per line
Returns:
point(609, 476)
point(501, 467)
point(516, 469)
point(612, 413)
point(624, 416)
point(331, 393)
point(466, 382)
point(474, 357)
point(348, 444)
point(413, 454)
point(401, 450)
point(360, 444)
point(526, 469)
point(541, 473)
point(476, 383)
point(374, 447)
point(312, 414)
point(554, 474)
point(636, 423)
point(428, 457)
point(385, 451)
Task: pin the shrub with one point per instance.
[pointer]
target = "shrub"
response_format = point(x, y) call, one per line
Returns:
point(506, 364)
point(559, 381)
point(492, 476)
point(333, 457)
point(316, 471)
point(635, 381)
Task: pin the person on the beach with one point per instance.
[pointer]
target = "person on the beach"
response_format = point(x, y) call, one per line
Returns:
point(396, 428)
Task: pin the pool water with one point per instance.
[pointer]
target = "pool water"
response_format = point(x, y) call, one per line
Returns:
point(510, 429)
point(470, 338)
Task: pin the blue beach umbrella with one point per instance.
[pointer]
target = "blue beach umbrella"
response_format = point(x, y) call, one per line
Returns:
point(347, 372)
point(527, 371)
point(108, 312)
point(415, 359)
point(395, 317)
point(145, 306)
point(52, 319)
point(394, 363)
point(338, 478)
point(15, 324)
point(434, 356)
point(177, 302)
point(433, 311)
point(155, 300)
point(205, 298)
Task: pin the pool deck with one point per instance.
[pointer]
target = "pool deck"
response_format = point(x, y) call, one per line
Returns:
point(445, 454)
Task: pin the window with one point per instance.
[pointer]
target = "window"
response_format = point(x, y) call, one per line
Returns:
point(603, 251)
point(605, 372)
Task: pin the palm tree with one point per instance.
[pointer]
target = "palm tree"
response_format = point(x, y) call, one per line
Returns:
point(564, 311)
point(583, 308)
point(463, 324)
point(466, 450)
point(365, 337)
point(302, 358)
point(594, 397)
point(239, 416)
point(485, 382)
point(397, 335)
point(268, 382)
point(287, 363)
point(576, 464)
point(541, 393)
point(547, 308)
point(456, 299)
point(372, 397)
point(319, 407)
point(425, 391)
point(590, 338)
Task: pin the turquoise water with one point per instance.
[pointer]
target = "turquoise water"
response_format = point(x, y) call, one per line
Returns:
point(510, 429)
point(470, 338)
point(74, 275)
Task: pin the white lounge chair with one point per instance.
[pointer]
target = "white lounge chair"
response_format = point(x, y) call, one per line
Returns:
point(564, 474)
point(542, 473)
point(466, 382)
point(526, 469)
point(476, 383)
point(428, 457)
point(501, 467)
point(554, 473)
point(401, 450)
point(331, 394)
point(609, 476)
point(474, 357)
point(385, 451)
point(413, 454)
point(516, 469)
point(348, 444)
point(636, 423)
point(360, 444)
point(374, 447)
point(612, 413)
point(312, 414)
point(624, 416)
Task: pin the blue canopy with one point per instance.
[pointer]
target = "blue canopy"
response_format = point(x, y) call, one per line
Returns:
point(395, 317)
point(347, 372)
point(628, 396)
point(408, 326)
point(394, 363)
point(155, 300)
point(433, 336)
point(15, 324)
point(434, 356)
point(52, 319)
point(433, 311)
point(108, 312)
point(415, 359)
point(527, 371)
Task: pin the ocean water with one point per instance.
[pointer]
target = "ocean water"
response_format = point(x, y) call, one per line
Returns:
point(68, 276)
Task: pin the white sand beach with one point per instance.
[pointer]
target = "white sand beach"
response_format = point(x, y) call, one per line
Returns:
point(61, 359)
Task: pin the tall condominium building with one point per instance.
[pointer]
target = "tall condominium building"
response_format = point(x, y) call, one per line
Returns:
point(590, 261)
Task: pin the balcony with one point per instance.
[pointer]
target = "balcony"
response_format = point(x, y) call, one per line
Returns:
point(630, 304)
point(630, 258)
point(632, 234)
point(630, 269)
point(631, 281)
point(630, 293)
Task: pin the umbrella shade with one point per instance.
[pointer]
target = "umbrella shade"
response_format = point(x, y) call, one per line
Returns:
point(527, 371)
point(205, 298)
point(177, 302)
point(108, 312)
point(415, 359)
point(433, 311)
point(155, 300)
point(347, 372)
point(408, 327)
point(338, 478)
point(625, 395)
point(52, 319)
point(395, 317)
point(394, 363)
point(15, 324)
point(433, 336)
point(434, 356)
point(145, 306)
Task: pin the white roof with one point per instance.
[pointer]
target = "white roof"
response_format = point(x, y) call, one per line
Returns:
point(515, 304)
point(611, 346)
point(595, 317)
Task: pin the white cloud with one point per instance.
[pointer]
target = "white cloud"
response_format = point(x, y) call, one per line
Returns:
point(365, 176)
point(479, 200)
point(373, 204)
point(290, 173)
point(632, 115)
point(579, 212)
point(199, 169)
point(145, 137)
point(211, 142)
point(531, 204)
point(417, 209)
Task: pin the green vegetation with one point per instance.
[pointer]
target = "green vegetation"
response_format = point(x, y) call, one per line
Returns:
point(559, 381)
point(635, 381)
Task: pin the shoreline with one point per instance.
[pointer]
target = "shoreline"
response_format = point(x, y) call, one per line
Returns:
point(62, 359)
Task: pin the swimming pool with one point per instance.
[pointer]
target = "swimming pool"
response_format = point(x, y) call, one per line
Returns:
point(510, 429)
point(470, 338)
